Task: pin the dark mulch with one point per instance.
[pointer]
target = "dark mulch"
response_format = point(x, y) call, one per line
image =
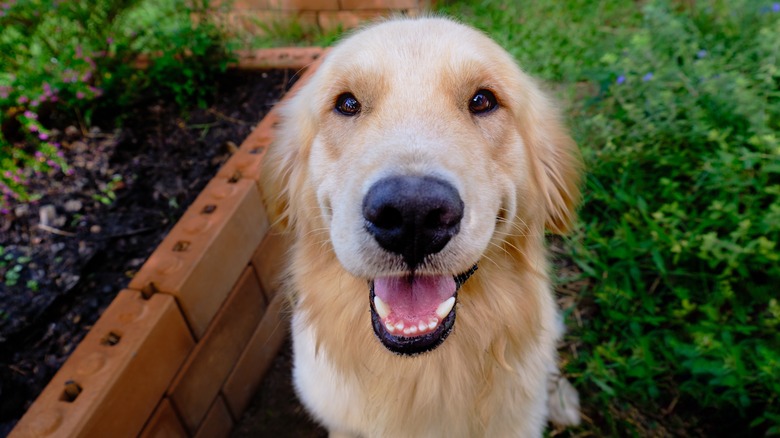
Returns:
point(90, 245)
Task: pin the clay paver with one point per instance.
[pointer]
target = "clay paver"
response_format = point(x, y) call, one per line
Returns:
point(205, 252)
point(116, 376)
point(218, 421)
point(269, 261)
point(254, 362)
point(164, 423)
point(204, 372)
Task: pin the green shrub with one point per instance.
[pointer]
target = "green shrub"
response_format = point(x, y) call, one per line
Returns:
point(78, 57)
point(681, 218)
point(682, 213)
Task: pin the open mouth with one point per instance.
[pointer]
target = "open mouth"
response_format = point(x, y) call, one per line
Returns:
point(416, 313)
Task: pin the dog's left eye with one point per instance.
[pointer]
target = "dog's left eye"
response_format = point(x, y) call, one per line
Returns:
point(483, 102)
point(347, 104)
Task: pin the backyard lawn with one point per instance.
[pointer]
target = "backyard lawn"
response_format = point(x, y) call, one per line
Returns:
point(676, 107)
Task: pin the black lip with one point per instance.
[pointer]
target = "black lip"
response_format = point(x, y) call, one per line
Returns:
point(410, 346)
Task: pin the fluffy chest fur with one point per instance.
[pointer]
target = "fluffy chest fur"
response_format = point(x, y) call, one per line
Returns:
point(483, 381)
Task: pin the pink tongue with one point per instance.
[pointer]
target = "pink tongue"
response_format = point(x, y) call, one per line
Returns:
point(413, 300)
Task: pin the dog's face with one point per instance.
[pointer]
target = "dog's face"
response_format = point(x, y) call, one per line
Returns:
point(420, 147)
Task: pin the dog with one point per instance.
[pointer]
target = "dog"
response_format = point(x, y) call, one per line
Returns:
point(415, 174)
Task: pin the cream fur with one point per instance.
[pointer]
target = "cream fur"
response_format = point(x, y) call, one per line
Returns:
point(517, 172)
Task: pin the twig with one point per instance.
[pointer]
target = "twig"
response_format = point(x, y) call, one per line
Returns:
point(55, 230)
point(226, 117)
point(132, 232)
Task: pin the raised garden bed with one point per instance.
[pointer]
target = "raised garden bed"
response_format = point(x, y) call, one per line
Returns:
point(182, 349)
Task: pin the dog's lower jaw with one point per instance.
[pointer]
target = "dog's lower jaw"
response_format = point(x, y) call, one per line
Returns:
point(426, 331)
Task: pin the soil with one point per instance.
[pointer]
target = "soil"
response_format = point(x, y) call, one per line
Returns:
point(275, 410)
point(69, 253)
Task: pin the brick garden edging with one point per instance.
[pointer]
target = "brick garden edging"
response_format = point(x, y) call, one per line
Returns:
point(323, 14)
point(181, 351)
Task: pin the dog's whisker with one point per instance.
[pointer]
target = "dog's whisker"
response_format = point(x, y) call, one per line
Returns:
point(490, 259)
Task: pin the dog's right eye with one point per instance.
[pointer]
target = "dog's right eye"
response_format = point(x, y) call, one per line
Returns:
point(347, 104)
point(483, 101)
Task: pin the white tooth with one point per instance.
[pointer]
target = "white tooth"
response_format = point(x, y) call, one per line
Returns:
point(422, 326)
point(433, 323)
point(412, 330)
point(408, 331)
point(399, 326)
point(390, 327)
point(381, 308)
point(444, 308)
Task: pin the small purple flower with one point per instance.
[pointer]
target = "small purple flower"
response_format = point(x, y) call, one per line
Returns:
point(620, 79)
point(22, 99)
point(647, 77)
point(79, 95)
point(701, 54)
point(33, 128)
point(30, 115)
point(43, 136)
point(775, 7)
point(4, 211)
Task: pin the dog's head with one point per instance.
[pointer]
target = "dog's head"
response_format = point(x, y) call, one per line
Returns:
point(415, 150)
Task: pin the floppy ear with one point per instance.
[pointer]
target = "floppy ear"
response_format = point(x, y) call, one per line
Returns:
point(558, 160)
point(283, 168)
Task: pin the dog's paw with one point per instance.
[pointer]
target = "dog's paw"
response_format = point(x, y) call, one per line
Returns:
point(563, 402)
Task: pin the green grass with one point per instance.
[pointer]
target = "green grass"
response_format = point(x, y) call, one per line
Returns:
point(677, 111)
point(286, 32)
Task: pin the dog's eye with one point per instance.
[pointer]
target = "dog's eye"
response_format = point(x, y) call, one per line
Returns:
point(483, 102)
point(347, 104)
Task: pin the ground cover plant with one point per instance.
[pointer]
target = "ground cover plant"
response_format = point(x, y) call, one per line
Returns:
point(676, 106)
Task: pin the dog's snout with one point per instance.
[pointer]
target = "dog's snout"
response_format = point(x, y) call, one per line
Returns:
point(413, 216)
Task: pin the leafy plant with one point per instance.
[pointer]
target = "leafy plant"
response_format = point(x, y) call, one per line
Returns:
point(677, 110)
point(79, 57)
point(107, 194)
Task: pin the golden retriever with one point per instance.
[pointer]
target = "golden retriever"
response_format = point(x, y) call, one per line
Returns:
point(416, 173)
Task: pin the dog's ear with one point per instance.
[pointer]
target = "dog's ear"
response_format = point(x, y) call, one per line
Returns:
point(283, 167)
point(558, 160)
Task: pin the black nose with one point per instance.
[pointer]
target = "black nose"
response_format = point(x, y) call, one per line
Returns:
point(413, 216)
